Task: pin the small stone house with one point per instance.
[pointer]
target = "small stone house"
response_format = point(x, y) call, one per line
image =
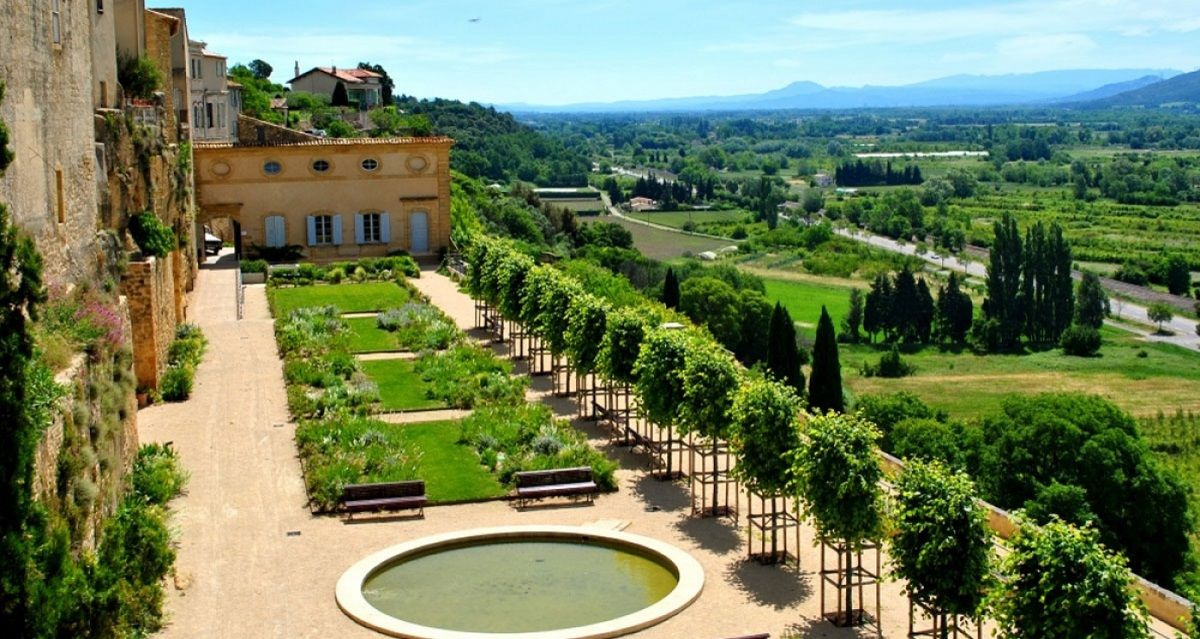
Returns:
point(362, 86)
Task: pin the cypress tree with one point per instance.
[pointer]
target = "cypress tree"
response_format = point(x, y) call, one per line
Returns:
point(1062, 300)
point(1003, 303)
point(825, 385)
point(854, 316)
point(905, 307)
point(340, 97)
point(670, 294)
point(877, 313)
point(783, 355)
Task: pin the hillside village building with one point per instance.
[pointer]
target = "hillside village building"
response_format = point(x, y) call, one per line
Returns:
point(362, 86)
point(214, 100)
point(334, 199)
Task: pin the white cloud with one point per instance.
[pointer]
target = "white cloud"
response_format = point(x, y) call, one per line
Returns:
point(1062, 48)
point(322, 49)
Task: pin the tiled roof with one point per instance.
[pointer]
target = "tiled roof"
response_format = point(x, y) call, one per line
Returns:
point(350, 76)
point(329, 142)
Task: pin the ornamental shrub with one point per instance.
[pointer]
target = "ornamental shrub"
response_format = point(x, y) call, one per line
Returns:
point(151, 235)
point(1080, 341)
point(176, 383)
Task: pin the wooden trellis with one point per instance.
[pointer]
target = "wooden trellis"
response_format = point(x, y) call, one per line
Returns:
point(709, 468)
point(851, 577)
point(772, 519)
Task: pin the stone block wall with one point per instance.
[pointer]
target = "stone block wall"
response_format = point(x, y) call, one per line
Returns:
point(149, 286)
point(255, 132)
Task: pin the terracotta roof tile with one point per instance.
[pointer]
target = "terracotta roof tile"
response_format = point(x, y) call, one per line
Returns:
point(329, 142)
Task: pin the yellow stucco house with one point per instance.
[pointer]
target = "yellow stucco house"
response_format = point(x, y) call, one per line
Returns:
point(336, 199)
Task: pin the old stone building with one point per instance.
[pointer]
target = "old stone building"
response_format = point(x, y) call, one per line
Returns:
point(332, 199)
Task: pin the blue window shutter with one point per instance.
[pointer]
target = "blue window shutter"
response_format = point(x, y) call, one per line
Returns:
point(358, 228)
point(312, 230)
point(337, 229)
point(385, 228)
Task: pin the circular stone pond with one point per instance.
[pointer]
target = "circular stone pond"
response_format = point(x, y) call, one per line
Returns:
point(535, 582)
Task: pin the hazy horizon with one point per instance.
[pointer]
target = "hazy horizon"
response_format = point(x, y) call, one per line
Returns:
point(551, 52)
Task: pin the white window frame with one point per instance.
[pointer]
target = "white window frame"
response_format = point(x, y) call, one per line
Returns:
point(372, 224)
point(324, 230)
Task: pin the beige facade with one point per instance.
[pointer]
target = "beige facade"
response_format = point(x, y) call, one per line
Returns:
point(105, 91)
point(180, 88)
point(130, 25)
point(335, 199)
point(214, 106)
point(50, 188)
point(362, 87)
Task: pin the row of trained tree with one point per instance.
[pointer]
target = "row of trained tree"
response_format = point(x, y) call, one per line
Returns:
point(875, 173)
point(1059, 581)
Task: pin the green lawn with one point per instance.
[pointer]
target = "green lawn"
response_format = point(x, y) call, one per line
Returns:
point(803, 300)
point(400, 388)
point(451, 471)
point(348, 298)
point(366, 337)
point(969, 385)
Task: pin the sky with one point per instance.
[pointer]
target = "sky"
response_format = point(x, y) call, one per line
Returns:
point(569, 51)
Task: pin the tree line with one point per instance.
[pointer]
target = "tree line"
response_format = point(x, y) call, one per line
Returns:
point(875, 173)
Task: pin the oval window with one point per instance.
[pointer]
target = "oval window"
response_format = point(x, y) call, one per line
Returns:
point(417, 164)
point(220, 168)
point(271, 167)
point(370, 164)
point(320, 166)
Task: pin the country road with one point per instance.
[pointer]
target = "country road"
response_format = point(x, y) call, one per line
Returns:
point(1183, 329)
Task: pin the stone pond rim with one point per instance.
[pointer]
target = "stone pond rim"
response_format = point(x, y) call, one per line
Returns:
point(351, 600)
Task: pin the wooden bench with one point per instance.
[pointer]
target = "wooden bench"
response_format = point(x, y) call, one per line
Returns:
point(394, 495)
point(558, 482)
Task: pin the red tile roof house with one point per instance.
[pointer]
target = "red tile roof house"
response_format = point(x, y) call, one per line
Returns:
point(362, 86)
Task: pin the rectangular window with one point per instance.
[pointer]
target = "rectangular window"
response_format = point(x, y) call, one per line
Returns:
point(56, 21)
point(324, 229)
point(371, 234)
point(99, 6)
point(62, 196)
point(196, 67)
point(103, 94)
point(208, 109)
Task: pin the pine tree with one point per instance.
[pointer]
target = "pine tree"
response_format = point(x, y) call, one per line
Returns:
point(783, 354)
point(854, 316)
point(954, 312)
point(1093, 302)
point(924, 312)
point(905, 307)
point(878, 308)
point(825, 384)
point(670, 294)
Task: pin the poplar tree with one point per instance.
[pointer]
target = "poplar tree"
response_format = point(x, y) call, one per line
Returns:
point(1003, 304)
point(854, 316)
point(783, 354)
point(878, 307)
point(825, 384)
point(954, 311)
point(924, 312)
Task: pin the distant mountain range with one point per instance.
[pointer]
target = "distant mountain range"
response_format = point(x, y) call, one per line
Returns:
point(1046, 87)
point(1180, 88)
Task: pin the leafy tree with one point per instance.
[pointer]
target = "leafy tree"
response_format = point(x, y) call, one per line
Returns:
point(387, 85)
point(1160, 312)
point(942, 548)
point(659, 373)
point(783, 354)
point(755, 344)
point(670, 294)
point(714, 304)
point(825, 381)
point(1080, 341)
point(558, 295)
point(954, 313)
point(950, 443)
point(585, 330)
point(812, 201)
point(888, 410)
point(763, 433)
point(339, 128)
point(854, 317)
point(1067, 502)
point(623, 336)
point(260, 69)
point(340, 97)
point(836, 476)
point(710, 378)
point(139, 76)
point(1064, 584)
point(20, 293)
point(1092, 305)
point(1178, 274)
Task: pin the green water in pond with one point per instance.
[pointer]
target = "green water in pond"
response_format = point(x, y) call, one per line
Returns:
point(519, 586)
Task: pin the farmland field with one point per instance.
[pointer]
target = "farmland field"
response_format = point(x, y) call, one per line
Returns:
point(667, 245)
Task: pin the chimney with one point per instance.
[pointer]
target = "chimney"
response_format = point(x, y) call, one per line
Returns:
point(297, 69)
point(335, 69)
